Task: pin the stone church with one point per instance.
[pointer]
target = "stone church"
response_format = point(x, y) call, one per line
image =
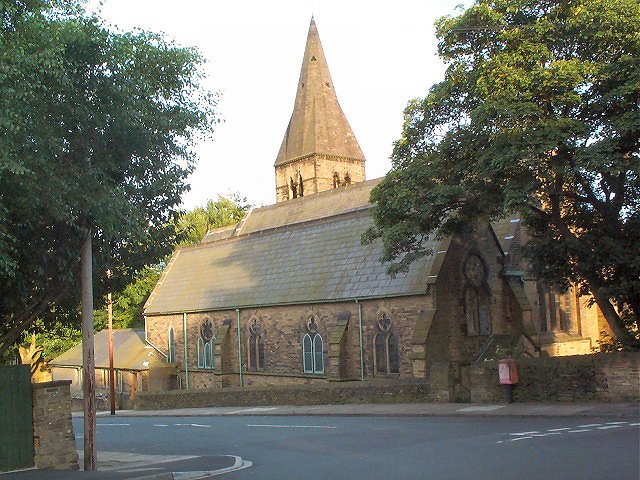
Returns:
point(289, 295)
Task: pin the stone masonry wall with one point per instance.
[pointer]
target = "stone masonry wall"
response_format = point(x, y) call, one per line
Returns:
point(53, 437)
point(612, 377)
point(336, 393)
point(282, 330)
point(448, 339)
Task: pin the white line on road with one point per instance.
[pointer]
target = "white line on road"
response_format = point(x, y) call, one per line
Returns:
point(250, 410)
point(634, 424)
point(578, 431)
point(607, 427)
point(201, 426)
point(524, 433)
point(616, 423)
point(590, 425)
point(480, 408)
point(160, 425)
point(558, 429)
point(113, 424)
point(291, 426)
point(519, 438)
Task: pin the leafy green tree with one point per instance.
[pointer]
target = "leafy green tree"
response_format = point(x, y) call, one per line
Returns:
point(538, 113)
point(193, 225)
point(96, 133)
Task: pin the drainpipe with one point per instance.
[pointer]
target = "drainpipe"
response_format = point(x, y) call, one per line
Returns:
point(186, 355)
point(360, 330)
point(239, 347)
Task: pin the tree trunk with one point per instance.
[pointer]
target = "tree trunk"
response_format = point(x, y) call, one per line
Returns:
point(616, 323)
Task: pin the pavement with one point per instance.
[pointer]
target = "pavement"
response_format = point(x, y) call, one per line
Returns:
point(119, 465)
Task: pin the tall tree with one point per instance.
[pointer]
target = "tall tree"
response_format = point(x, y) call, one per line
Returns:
point(538, 113)
point(96, 132)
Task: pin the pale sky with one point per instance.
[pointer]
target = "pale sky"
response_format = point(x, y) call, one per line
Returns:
point(380, 54)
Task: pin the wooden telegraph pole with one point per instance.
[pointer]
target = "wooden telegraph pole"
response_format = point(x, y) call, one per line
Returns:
point(112, 386)
point(88, 360)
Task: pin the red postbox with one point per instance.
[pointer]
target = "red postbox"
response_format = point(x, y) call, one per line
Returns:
point(508, 371)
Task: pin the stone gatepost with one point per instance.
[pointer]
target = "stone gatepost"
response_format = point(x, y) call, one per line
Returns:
point(54, 442)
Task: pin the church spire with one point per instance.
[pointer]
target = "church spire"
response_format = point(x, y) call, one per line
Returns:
point(318, 130)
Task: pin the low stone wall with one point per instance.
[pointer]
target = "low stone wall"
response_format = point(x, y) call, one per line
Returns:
point(53, 438)
point(608, 377)
point(335, 393)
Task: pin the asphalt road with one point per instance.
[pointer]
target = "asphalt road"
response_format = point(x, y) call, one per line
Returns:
point(297, 447)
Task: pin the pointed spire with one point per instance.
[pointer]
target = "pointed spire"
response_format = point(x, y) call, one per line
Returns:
point(317, 123)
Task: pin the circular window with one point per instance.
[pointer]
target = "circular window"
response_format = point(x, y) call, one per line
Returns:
point(474, 270)
point(206, 329)
point(312, 326)
point(255, 328)
point(384, 322)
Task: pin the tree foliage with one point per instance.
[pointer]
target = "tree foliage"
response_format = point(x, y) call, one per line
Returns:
point(96, 130)
point(538, 113)
point(193, 225)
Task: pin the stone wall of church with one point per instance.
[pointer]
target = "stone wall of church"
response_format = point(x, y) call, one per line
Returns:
point(349, 171)
point(282, 329)
point(450, 337)
point(317, 172)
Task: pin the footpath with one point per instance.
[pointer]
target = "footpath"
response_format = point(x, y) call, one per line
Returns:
point(118, 465)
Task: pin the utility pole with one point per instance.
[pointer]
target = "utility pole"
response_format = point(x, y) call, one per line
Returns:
point(88, 360)
point(112, 386)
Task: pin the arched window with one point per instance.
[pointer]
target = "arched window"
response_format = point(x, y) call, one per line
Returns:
point(200, 352)
point(318, 354)
point(206, 343)
point(256, 346)
point(301, 187)
point(307, 354)
point(313, 353)
point(477, 298)
point(171, 347)
point(336, 180)
point(385, 346)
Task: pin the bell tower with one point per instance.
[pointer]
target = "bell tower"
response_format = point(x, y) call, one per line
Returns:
point(319, 150)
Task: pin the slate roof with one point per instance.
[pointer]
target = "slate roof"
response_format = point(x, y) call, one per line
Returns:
point(306, 250)
point(508, 233)
point(129, 351)
point(318, 124)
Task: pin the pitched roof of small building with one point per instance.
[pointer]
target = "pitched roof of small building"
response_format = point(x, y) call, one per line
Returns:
point(318, 124)
point(307, 250)
point(129, 351)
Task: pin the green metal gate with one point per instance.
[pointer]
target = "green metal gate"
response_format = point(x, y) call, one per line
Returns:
point(16, 418)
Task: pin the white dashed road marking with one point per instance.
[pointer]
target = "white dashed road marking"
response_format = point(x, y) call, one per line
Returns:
point(251, 410)
point(519, 438)
point(291, 426)
point(591, 427)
